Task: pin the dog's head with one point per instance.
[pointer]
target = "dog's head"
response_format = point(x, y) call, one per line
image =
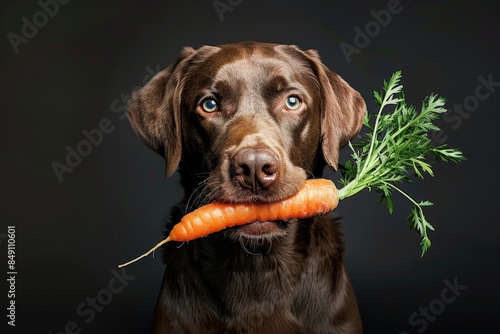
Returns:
point(253, 120)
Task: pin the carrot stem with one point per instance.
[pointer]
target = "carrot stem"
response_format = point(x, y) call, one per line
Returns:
point(158, 245)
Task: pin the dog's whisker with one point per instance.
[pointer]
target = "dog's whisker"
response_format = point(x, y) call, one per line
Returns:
point(215, 192)
point(205, 175)
point(200, 194)
point(310, 173)
point(199, 197)
point(242, 243)
point(270, 246)
point(191, 197)
point(208, 75)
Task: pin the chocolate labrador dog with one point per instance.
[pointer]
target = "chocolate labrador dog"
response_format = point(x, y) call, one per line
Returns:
point(250, 122)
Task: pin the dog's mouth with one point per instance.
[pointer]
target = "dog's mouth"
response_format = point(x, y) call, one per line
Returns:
point(258, 230)
point(258, 237)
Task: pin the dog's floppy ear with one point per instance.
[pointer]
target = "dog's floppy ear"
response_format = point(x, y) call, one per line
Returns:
point(342, 114)
point(154, 111)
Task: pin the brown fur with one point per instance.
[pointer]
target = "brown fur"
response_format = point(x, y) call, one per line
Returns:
point(271, 277)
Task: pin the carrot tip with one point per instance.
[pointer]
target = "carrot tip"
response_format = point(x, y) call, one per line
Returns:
point(161, 243)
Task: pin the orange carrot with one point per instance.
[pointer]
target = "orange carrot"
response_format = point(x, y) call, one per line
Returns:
point(316, 197)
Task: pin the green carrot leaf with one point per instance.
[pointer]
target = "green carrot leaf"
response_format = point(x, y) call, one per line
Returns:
point(396, 148)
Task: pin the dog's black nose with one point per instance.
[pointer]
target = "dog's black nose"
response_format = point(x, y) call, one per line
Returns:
point(255, 168)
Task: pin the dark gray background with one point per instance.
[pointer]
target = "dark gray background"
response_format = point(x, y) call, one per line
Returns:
point(72, 74)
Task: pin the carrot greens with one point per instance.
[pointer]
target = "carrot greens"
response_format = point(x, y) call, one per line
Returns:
point(396, 146)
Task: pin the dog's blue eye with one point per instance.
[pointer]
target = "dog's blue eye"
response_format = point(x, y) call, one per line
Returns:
point(293, 103)
point(210, 105)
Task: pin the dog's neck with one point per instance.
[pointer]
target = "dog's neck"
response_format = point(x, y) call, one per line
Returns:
point(269, 273)
point(273, 278)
